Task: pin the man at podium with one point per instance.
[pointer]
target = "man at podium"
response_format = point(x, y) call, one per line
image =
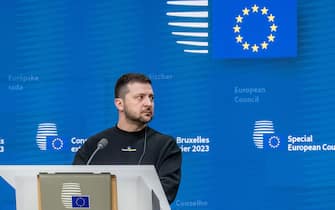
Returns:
point(131, 141)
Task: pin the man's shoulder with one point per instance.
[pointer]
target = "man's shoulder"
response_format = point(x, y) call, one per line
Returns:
point(160, 136)
point(164, 143)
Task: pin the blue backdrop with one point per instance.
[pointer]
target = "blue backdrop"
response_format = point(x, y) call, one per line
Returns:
point(246, 87)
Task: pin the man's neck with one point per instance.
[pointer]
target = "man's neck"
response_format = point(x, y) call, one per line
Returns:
point(130, 127)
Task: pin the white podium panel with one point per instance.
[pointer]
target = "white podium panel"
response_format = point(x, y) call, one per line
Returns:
point(138, 186)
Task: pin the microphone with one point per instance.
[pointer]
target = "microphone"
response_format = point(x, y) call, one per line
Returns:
point(100, 145)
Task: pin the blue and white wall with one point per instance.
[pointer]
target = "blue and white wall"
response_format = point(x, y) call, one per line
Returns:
point(246, 87)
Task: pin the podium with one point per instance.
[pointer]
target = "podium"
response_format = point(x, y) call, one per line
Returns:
point(137, 187)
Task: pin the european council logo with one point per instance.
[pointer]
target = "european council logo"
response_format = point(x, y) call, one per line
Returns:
point(238, 29)
point(81, 201)
point(71, 196)
point(44, 131)
point(56, 144)
point(189, 24)
point(261, 128)
point(254, 29)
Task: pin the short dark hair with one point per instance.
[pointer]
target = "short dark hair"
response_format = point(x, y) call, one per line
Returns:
point(121, 89)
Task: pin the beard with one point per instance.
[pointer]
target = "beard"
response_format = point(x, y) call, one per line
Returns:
point(138, 118)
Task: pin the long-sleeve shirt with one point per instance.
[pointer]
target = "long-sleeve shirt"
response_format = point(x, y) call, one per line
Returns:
point(127, 148)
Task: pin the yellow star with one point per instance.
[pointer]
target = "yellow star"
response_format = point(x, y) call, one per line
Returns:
point(273, 27)
point(255, 8)
point(236, 29)
point(271, 18)
point(245, 46)
point(245, 11)
point(271, 38)
point(264, 45)
point(239, 39)
point(239, 19)
point(264, 11)
point(254, 48)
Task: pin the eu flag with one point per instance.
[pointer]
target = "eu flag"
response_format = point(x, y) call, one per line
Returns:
point(274, 142)
point(57, 144)
point(81, 201)
point(254, 28)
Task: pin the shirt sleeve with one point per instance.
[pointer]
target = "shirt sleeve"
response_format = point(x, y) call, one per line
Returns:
point(169, 170)
point(82, 155)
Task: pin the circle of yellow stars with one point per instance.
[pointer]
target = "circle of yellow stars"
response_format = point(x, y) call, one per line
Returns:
point(255, 47)
point(60, 146)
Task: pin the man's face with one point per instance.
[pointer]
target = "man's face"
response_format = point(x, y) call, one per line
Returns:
point(139, 103)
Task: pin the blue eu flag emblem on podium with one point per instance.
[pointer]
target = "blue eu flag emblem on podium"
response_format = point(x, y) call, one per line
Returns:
point(82, 201)
point(254, 28)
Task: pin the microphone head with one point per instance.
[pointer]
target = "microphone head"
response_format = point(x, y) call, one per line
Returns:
point(102, 143)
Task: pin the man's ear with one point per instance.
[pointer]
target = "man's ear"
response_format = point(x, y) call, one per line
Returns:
point(119, 104)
